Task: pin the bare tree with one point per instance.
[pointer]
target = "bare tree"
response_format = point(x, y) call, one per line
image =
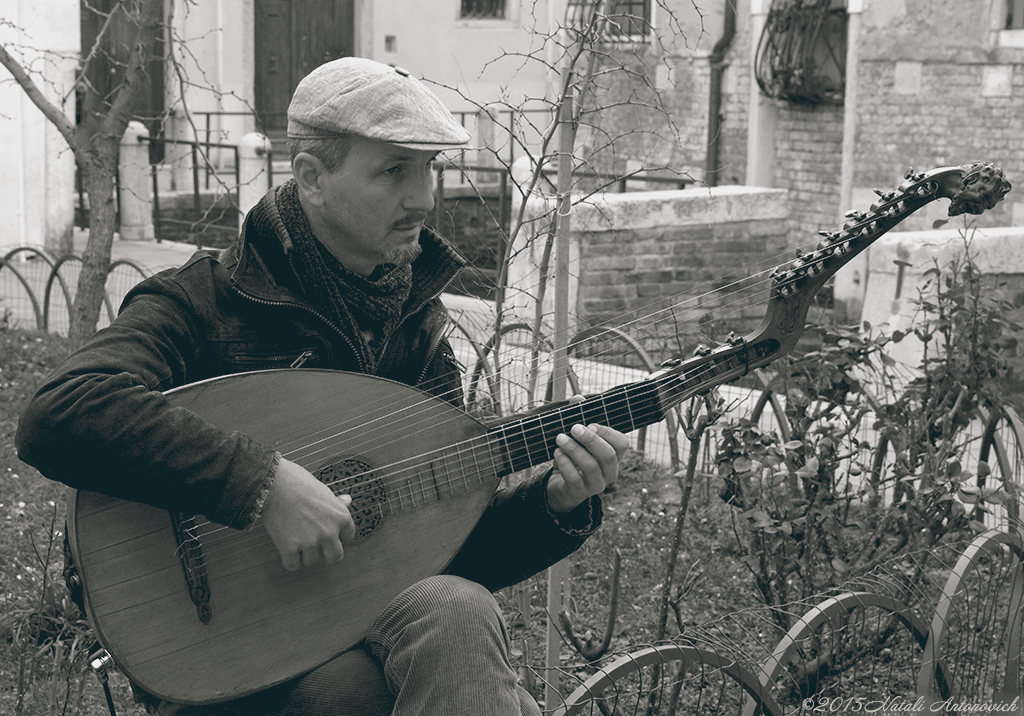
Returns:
point(603, 76)
point(134, 27)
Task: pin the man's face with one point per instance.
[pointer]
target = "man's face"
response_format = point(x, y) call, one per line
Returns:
point(371, 209)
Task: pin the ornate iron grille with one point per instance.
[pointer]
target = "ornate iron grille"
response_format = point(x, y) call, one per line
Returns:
point(801, 56)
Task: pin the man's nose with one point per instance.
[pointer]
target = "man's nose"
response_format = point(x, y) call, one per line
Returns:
point(421, 193)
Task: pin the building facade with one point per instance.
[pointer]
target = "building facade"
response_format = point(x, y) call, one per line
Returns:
point(867, 89)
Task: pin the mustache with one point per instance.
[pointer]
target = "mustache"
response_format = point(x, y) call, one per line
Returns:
point(410, 220)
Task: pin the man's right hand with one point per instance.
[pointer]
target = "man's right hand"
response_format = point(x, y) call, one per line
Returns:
point(305, 519)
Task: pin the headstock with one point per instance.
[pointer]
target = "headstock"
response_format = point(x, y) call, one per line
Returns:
point(971, 188)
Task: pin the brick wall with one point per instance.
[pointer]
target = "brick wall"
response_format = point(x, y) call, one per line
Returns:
point(808, 156)
point(469, 219)
point(678, 268)
point(653, 115)
point(932, 114)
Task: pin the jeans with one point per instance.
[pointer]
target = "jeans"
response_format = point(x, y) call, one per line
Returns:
point(440, 648)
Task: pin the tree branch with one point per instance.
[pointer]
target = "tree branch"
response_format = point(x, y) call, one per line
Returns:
point(50, 110)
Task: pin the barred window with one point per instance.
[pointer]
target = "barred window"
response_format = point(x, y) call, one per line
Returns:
point(1014, 14)
point(623, 19)
point(482, 10)
point(629, 19)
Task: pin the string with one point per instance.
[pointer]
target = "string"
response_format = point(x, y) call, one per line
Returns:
point(359, 423)
point(744, 279)
point(394, 418)
point(398, 474)
point(841, 240)
point(613, 407)
point(401, 471)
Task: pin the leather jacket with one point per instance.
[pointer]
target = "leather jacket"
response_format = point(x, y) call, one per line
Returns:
point(102, 423)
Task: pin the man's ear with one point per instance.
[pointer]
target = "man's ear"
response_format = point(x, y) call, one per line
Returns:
point(308, 171)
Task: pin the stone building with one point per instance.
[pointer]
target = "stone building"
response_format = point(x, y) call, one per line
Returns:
point(862, 91)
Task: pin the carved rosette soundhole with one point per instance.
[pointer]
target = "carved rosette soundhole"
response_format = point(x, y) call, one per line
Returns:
point(356, 477)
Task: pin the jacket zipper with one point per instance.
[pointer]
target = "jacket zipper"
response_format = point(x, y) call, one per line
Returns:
point(433, 349)
point(297, 363)
point(355, 351)
point(313, 311)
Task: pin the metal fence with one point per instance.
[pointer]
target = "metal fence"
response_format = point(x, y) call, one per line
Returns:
point(37, 290)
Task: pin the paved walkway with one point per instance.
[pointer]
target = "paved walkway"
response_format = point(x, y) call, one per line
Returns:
point(151, 255)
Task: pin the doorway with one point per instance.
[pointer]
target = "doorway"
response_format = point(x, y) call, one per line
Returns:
point(293, 37)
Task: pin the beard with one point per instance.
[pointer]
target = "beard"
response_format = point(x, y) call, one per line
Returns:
point(403, 254)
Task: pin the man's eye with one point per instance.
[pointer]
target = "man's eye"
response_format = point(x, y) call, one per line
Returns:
point(393, 170)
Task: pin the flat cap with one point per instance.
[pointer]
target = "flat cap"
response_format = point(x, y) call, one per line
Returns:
point(354, 95)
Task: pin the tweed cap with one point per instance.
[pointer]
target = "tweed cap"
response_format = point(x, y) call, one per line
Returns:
point(354, 95)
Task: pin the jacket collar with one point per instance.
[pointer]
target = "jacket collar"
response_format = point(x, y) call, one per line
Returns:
point(263, 268)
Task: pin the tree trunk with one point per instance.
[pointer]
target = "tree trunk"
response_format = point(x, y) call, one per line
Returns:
point(98, 179)
point(103, 123)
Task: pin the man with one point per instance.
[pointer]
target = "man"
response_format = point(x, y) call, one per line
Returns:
point(335, 270)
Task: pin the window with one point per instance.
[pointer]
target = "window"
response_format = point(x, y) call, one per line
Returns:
point(623, 19)
point(1014, 14)
point(482, 10)
point(629, 19)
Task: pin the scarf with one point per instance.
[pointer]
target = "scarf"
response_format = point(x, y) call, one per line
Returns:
point(367, 308)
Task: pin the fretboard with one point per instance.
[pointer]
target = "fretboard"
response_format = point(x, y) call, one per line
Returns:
point(530, 440)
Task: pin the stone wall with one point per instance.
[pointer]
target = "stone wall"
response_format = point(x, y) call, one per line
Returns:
point(900, 267)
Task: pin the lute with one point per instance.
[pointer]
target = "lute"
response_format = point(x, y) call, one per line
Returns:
point(196, 613)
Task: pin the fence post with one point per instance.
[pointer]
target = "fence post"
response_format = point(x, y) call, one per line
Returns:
point(487, 141)
point(135, 185)
point(253, 177)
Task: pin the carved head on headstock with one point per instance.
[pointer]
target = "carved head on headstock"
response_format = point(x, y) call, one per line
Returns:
point(982, 187)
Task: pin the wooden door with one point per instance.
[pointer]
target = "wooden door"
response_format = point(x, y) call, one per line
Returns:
point(293, 37)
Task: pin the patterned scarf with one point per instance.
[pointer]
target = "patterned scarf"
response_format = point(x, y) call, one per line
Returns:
point(367, 308)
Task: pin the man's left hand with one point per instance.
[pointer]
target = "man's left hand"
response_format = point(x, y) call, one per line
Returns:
point(586, 462)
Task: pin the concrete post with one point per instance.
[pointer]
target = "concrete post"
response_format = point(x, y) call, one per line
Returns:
point(851, 283)
point(487, 142)
point(253, 177)
point(135, 185)
point(763, 118)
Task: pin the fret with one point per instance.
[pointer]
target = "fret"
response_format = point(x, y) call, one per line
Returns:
point(475, 452)
point(536, 429)
point(417, 485)
point(496, 456)
point(485, 444)
point(398, 494)
point(526, 441)
point(706, 376)
point(447, 474)
point(531, 440)
point(433, 481)
point(462, 466)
